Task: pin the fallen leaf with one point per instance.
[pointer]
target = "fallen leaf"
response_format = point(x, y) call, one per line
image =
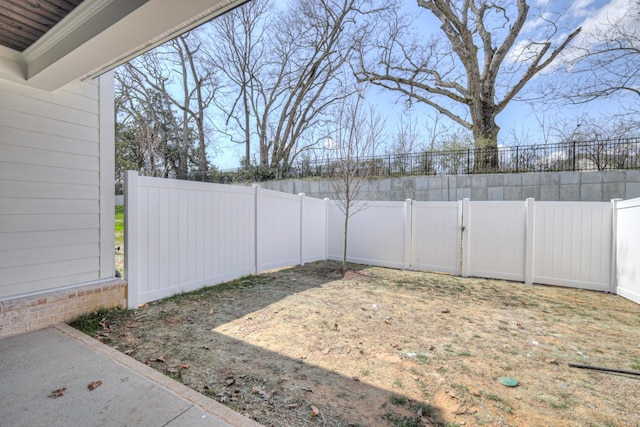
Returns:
point(445, 311)
point(307, 389)
point(356, 378)
point(230, 382)
point(183, 366)
point(292, 406)
point(314, 411)
point(159, 359)
point(387, 322)
point(461, 410)
point(256, 390)
point(94, 385)
point(211, 311)
point(552, 361)
point(519, 326)
point(57, 393)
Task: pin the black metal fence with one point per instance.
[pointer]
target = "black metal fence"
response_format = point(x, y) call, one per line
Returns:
point(597, 155)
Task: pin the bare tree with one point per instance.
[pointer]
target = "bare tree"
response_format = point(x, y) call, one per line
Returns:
point(147, 137)
point(607, 63)
point(471, 70)
point(289, 91)
point(355, 135)
point(175, 73)
point(598, 142)
point(404, 144)
point(239, 52)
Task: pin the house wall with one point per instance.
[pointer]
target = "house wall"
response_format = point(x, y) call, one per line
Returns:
point(56, 192)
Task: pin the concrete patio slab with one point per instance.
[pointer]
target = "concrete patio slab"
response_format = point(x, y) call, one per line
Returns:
point(35, 364)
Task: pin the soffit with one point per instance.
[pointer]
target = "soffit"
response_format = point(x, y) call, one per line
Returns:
point(97, 35)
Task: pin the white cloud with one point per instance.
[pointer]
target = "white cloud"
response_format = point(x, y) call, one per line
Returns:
point(581, 8)
point(593, 19)
point(614, 10)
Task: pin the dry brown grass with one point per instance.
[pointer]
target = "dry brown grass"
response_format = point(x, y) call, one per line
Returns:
point(379, 347)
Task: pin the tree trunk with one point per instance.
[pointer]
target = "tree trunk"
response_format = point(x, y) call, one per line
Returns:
point(485, 135)
point(346, 229)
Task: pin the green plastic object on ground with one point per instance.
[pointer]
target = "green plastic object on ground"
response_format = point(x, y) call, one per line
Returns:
point(508, 381)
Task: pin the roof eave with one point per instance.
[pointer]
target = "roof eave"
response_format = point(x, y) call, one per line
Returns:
point(101, 34)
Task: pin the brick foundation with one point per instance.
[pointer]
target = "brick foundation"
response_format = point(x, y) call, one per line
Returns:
point(19, 315)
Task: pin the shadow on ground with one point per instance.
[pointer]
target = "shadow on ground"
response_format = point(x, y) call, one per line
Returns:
point(245, 344)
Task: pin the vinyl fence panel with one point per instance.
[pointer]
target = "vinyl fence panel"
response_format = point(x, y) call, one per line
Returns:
point(184, 235)
point(314, 229)
point(572, 244)
point(628, 248)
point(376, 234)
point(278, 229)
point(436, 236)
point(495, 240)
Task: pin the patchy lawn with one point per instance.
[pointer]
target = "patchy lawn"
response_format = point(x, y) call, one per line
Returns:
point(119, 239)
point(380, 347)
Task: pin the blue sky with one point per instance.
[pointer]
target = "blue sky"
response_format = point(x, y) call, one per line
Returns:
point(520, 121)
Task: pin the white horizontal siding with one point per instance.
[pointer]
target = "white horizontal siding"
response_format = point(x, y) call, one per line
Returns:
point(47, 190)
point(35, 139)
point(46, 239)
point(44, 157)
point(35, 256)
point(21, 206)
point(50, 187)
point(17, 172)
point(44, 222)
point(82, 97)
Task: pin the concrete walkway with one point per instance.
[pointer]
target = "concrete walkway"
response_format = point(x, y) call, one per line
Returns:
point(35, 364)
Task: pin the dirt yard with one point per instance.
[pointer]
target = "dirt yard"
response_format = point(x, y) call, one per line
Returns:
point(380, 347)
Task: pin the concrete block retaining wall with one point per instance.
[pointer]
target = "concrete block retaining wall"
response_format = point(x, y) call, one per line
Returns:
point(547, 186)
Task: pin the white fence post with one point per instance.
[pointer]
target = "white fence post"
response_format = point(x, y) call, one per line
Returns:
point(613, 283)
point(529, 252)
point(464, 221)
point(258, 256)
point(407, 234)
point(459, 237)
point(131, 254)
point(301, 228)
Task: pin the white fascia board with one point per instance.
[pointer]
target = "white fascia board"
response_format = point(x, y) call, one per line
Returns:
point(101, 34)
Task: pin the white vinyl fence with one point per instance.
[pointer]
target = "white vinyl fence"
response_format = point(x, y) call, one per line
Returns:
point(628, 248)
point(183, 235)
point(573, 245)
point(377, 235)
point(494, 240)
point(436, 228)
